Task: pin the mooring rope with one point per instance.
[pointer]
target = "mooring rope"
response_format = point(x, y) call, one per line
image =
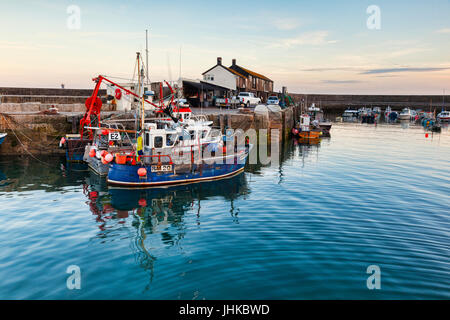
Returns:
point(23, 146)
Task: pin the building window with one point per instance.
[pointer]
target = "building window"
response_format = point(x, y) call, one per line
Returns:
point(212, 78)
point(254, 83)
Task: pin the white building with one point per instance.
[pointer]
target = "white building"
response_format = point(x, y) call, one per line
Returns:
point(222, 76)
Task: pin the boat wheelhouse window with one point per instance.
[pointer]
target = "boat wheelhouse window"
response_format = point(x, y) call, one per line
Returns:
point(170, 139)
point(186, 116)
point(204, 133)
point(147, 139)
point(158, 142)
point(192, 133)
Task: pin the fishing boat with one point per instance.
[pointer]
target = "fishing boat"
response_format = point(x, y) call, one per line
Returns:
point(177, 154)
point(304, 129)
point(318, 120)
point(98, 140)
point(406, 114)
point(444, 116)
point(2, 137)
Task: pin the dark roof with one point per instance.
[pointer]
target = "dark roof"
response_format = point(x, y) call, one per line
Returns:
point(204, 85)
point(247, 72)
point(228, 69)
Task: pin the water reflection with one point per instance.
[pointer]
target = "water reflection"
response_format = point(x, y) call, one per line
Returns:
point(156, 211)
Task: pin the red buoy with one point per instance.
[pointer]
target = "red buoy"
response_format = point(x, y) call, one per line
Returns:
point(118, 94)
point(142, 202)
point(105, 132)
point(426, 135)
point(103, 153)
point(92, 153)
point(142, 172)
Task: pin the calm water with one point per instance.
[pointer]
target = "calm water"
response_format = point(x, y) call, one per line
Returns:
point(307, 229)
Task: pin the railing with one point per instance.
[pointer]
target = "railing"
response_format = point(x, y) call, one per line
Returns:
point(199, 117)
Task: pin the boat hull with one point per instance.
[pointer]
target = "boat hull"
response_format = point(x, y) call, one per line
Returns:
point(2, 137)
point(308, 134)
point(75, 149)
point(126, 175)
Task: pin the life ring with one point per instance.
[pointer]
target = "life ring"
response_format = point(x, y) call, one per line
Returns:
point(118, 94)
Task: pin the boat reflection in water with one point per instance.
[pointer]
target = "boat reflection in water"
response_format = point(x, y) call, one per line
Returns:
point(155, 211)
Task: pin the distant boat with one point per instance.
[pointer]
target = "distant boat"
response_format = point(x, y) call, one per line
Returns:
point(317, 119)
point(406, 114)
point(350, 115)
point(376, 110)
point(387, 112)
point(444, 116)
point(2, 137)
point(304, 130)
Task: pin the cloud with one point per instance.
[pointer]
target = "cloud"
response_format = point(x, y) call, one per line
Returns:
point(325, 69)
point(341, 81)
point(285, 24)
point(444, 30)
point(313, 38)
point(396, 70)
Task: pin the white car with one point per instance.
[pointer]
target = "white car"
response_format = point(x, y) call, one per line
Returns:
point(248, 98)
point(273, 100)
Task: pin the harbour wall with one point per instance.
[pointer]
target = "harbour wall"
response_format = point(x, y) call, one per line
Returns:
point(338, 103)
point(39, 134)
point(34, 134)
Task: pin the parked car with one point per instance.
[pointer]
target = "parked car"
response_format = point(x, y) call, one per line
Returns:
point(227, 102)
point(248, 98)
point(183, 103)
point(273, 100)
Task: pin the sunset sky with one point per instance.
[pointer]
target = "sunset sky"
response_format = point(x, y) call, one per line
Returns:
point(308, 46)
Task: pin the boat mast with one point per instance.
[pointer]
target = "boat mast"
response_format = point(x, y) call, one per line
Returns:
point(146, 54)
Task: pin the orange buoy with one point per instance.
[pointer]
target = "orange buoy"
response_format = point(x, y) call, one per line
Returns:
point(103, 153)
point(104, 161)
point(92, 153)
point(142, 172)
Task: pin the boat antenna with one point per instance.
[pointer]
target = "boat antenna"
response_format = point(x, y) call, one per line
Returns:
point(146, 54)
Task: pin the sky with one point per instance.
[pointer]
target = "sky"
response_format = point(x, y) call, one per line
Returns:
point(307, 46)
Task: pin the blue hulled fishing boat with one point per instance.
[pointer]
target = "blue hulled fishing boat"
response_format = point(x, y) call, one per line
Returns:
point(172, 155)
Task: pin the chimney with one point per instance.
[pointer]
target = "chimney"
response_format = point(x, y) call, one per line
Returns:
point(233, 62)
point(219, 61)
